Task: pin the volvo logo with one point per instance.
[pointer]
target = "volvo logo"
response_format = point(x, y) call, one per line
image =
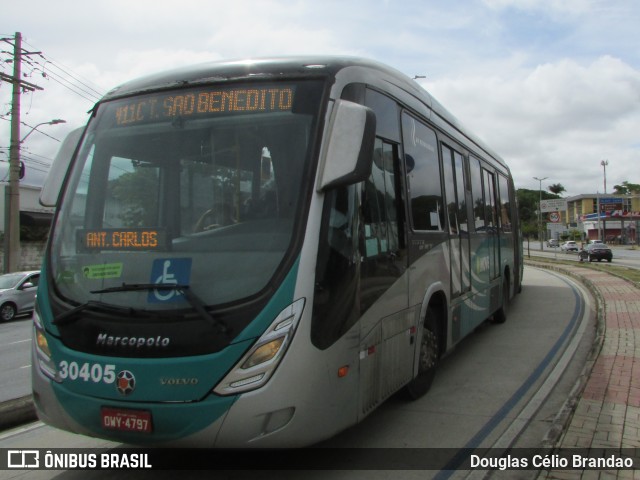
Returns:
point(178, 381)
point(106, 340)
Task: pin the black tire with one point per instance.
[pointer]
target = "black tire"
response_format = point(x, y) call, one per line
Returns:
point(502, 313)
point(429, 356)
point(7, 312)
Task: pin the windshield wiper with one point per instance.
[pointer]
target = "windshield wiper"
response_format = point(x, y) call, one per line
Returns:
point(72, 315)
point(197, 304)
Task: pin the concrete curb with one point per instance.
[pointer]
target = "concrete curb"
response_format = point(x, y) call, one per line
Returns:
point(17, 412)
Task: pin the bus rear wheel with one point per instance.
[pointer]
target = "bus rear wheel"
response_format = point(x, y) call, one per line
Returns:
point(429, 355)
point(503, 312)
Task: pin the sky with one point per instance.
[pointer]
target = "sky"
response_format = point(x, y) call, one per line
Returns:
point(553, 86)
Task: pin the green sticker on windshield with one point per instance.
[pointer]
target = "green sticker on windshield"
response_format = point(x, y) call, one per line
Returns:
point(104, 270)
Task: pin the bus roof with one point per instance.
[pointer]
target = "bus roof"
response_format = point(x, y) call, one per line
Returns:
point(286, 67)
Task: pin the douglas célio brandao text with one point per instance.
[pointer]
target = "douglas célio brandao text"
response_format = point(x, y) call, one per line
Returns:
point(573, 461)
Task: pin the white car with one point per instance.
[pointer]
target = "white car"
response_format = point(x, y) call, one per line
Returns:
point(17, 294)
point(569, 246)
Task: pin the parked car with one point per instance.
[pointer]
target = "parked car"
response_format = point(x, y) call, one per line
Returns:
point(599, 251)
point(569, 246)
point(553, 242)
point(596, 241)
point(17, 294)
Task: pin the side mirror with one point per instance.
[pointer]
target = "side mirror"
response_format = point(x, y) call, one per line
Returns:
point(59, 167)
point(348, 153)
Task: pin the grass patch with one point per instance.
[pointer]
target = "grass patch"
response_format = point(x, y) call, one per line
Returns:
point(631, 274)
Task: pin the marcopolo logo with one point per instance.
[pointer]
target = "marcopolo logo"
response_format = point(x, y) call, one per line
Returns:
point(126, 382)
point(106, 340)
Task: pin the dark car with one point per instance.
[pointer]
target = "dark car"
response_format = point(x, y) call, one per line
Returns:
point(599, 251)
point(17, 294)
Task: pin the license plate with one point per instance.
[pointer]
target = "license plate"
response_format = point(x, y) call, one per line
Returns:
point(126, 420)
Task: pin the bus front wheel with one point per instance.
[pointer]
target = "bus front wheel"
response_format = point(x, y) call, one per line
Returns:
point(429, 355)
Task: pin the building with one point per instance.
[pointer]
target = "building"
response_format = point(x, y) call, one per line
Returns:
point(618, 221)
point(32, 214)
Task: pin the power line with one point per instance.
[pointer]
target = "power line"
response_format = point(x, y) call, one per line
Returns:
point(72, 88)
point(50, 69)
point(67, 77)
point(76, 75)
point(65, 71)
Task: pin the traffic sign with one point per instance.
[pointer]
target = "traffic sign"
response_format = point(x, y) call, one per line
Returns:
point(553, 205)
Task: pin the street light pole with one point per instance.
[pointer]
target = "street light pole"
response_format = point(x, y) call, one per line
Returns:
point(55, 121)
point(540, 210)
point(604, 164)
point(12, 197)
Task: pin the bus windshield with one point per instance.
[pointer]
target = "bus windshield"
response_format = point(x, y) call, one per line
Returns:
point(200, 188)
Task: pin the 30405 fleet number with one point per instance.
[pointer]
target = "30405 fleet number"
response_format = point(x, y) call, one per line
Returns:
point(88, 372)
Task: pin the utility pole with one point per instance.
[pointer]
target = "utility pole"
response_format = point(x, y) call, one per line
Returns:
point(12, 190)
point(540, 210)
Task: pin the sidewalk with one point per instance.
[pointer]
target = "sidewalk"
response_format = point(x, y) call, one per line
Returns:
point(607, 409)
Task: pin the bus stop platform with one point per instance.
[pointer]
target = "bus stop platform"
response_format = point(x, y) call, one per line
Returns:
point(604, 413)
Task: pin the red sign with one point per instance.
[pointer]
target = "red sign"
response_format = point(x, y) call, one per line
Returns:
point(554, 217)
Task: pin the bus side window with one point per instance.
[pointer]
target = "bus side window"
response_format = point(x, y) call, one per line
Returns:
point(335, 308)
point(505, 204)
point(477, 196)
point(423, 175)
point(383, 252)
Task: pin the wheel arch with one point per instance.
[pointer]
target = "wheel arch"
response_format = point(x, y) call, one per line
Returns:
point(437, 300)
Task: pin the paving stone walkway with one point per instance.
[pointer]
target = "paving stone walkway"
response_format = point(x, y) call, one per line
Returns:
point(607, 413)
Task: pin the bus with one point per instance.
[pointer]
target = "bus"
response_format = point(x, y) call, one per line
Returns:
point(259, 253)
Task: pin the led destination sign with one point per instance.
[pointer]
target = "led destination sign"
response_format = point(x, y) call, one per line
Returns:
point(166, 106)
point(121, 239)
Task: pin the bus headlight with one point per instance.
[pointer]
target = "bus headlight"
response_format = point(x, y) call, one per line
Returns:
point(43, 353)
point(256, 367)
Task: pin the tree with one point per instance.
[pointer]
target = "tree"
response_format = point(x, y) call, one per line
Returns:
point(626, 188)
point(528, 206)
point(136, 193)
point(557, 188)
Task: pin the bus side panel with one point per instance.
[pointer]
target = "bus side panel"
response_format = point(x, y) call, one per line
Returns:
point(429, 272)
point(386, 355)
point(306, 400)
point(480, 281)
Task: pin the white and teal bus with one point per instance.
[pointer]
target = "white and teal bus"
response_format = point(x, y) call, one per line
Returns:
point(259, 253)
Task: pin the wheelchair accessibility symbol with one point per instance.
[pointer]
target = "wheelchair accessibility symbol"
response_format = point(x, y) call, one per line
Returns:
point(169, 271)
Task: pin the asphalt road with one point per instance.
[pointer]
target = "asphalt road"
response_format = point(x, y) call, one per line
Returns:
point(622, 255)
point(15, 361)
point(503, 386)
